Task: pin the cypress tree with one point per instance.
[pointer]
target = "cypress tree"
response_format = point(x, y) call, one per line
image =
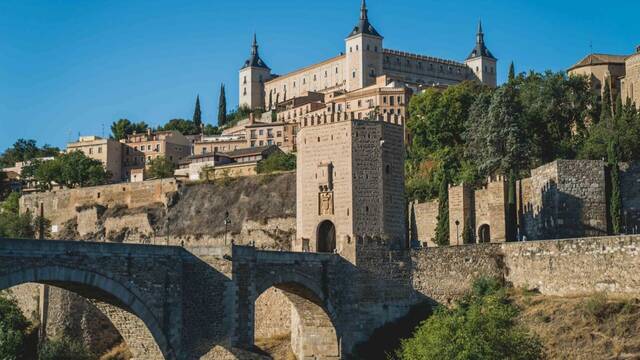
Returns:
point(605, 109)
point(442, 228)
point(197, 115)
point(512, 72)
point(615, 201)
point(222, 107)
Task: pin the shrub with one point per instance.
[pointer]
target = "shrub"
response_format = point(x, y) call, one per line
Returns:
point(277, 162)
point(481, 326)
point(13, 327)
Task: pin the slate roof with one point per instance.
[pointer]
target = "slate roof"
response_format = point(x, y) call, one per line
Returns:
point(254, 59)
point(480, 49)
point(363, 26)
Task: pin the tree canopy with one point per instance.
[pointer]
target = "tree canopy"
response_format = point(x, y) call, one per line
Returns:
point(480, 326)
point(72, 169)
point(25, 150)
point(160, 168)
point(123, 127)
point(469, 131)
point(277, 162)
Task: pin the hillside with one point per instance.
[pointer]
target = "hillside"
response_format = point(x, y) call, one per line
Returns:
point(594, 327)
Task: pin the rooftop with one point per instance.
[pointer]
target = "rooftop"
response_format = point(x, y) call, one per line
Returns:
point(599, 59)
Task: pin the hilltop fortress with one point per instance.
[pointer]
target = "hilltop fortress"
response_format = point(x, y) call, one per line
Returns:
point(363, 78)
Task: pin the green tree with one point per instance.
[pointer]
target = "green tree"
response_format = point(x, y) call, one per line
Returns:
point(512, 72)
point(197, 114)
point(185, 127)
point(210, 130)
point(497, 141)
point(64, 348)
point(222, 107)
point(13, 329)
point(606, 112)
point(25, 150)
point(615, 201)
point(122, 128)
point(78, 170)
point(481, 326)
point(160, 168)
point(442, 227)
point(277, 162)
point(12, 223)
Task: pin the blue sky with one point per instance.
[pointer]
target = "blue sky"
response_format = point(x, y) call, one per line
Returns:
point(74, 67)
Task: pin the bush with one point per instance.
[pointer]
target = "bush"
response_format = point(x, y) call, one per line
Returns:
point(481, 326)
point(277, 162)
point(13, 327)
point(64, 349)
point(160, 168)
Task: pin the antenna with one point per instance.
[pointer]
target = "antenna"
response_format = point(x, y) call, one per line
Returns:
point(591, 46)
point(103, 130)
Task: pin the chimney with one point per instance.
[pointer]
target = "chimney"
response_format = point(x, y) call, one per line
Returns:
point(149, 132)
point(251, 119)
point(638, 49)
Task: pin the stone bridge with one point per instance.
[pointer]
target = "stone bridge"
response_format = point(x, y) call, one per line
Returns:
point(192, 302)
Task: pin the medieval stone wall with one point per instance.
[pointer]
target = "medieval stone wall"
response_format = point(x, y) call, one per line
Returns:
point(554, 267)
point(423, 220)
point(61, 206)
point(630, 192)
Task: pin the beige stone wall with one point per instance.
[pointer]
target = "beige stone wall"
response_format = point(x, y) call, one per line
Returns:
point(631, 81)
point(272, 314)
point(422, 69)
point(555, 267)
point(598, 74)
point(490, 209)
point(425, 217)
point(328, 144)
point(318, 77)
point(62, 205)
point(461, 209)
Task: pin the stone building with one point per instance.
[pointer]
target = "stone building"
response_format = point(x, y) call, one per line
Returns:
point(363, 81)
point(140, 149)
point(631, 80)
point(107, 151)
point(622, 71)
point(600, 69)
point(562, 199)
point(350, 186)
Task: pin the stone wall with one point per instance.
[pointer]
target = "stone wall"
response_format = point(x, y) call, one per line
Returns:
point(630, 191)
point(61, 206)
point(554, 267)
point(423, 220)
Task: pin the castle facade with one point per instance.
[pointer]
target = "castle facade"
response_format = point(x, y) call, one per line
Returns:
point(363, 61)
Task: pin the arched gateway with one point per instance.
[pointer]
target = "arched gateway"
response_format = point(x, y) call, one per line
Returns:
point(326, 242)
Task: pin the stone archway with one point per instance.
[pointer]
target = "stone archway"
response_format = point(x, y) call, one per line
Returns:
point(326, 237)
point(484, 233)
point(312, 331)
point(99, 288)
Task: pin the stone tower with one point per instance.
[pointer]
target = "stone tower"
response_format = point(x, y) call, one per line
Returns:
point(350, 187)
point(482, 62)
point(253, 75)
point(364, 53)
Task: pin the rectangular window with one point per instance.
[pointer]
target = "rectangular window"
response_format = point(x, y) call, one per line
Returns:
point(100, 150)
point(253, 134)
point(90, 151)
point(269, 133)
point(279, 134)
point(359, 103)
point(261, 143)
point(391, 100)
point(261, 132)
point(384, 99)
point(269, 142)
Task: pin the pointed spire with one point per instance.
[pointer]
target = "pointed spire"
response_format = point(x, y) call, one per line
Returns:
point(254, 46)
point(363, 11)
point(254, 60)
point(480, 34)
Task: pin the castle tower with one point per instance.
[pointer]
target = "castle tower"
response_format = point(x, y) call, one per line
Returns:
point(482, 62)
point(364, 53)
point(253, 75)
point(350, 188)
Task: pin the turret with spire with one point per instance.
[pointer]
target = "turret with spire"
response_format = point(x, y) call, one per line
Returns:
point(481, 60)
point(253, 74)
point(363, 26)
point(254, 59)
point(363, 53)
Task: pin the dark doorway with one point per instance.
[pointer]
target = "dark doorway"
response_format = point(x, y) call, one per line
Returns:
point(326, 237)
point(484, 234)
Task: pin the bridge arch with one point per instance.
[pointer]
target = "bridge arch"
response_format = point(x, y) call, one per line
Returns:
point(94, 286)
point(312, 327)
